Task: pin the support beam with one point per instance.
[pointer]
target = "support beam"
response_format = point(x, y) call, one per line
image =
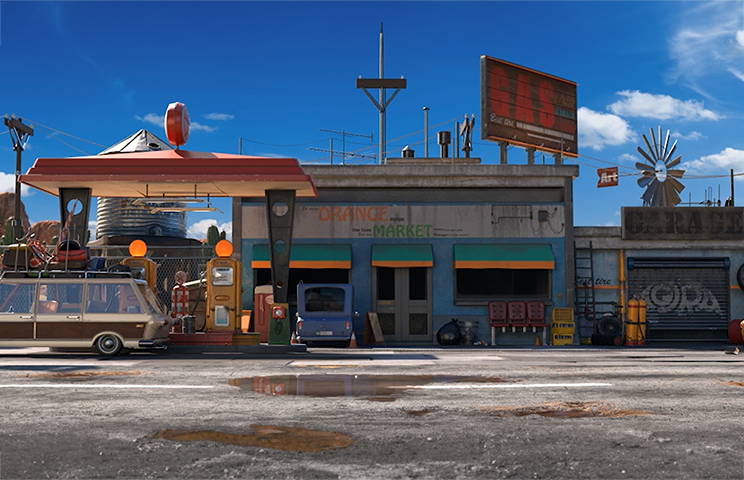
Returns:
point(280, 216)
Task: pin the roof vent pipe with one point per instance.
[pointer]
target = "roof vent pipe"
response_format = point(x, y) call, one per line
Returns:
point(443, 139)
point(408, 152)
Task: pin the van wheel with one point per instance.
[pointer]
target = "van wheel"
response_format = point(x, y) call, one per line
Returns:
point(108, 345)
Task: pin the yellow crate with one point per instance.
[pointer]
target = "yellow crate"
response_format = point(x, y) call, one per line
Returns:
point(562, 315)
point(562, 328)
point(563, 339)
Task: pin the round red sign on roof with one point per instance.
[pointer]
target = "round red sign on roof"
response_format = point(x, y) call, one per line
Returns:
point(177, 124)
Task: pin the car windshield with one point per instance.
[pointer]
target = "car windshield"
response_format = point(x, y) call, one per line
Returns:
point(324, 299)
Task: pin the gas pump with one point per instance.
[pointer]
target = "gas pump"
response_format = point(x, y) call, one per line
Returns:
point(279, 333)
point(224, 305)
point(140, 266)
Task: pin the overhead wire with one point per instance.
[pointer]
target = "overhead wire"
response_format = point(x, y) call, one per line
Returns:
point(63, 133)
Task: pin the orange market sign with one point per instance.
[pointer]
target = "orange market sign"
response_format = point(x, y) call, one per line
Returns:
point(607, 177)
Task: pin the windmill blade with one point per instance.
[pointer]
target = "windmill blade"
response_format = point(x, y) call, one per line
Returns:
point(659, 145)
point(645, 180)
point(650, 150)
point(650, 192)
point(645, 155)
point(675, 173)
point(676, 184)
point(658, 199)
point(671, 151)
point(674, 162)
point(645, 168)
point(666, 144)
point(656, 147)
point(670, 195)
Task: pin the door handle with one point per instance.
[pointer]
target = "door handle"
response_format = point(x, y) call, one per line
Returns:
point(27, 317)
point(75, 317)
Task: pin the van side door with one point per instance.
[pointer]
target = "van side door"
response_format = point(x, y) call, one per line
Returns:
point(17, 310)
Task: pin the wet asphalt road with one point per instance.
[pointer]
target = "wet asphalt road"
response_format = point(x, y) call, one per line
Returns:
point(406, 413)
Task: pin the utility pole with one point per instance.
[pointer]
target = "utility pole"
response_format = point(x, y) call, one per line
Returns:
point(382, 84)
point(19, 134)
point(426, 132)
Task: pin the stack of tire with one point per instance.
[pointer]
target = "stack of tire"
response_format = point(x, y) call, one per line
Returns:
point(608, 330)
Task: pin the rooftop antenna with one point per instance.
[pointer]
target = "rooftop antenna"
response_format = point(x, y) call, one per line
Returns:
point(344, 134)
point(381, 83)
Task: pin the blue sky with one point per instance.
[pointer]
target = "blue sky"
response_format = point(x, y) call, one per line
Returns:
point(275, 73)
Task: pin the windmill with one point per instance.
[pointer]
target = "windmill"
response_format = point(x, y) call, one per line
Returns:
point(658, 178)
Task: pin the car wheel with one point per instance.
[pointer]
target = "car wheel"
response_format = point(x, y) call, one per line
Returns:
point(108, 345)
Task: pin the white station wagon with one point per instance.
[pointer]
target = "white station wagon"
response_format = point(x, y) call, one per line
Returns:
point(112, 313)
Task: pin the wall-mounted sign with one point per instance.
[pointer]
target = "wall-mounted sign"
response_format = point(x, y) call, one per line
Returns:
point(683, 223)
point(526, 107)
point(607, 177)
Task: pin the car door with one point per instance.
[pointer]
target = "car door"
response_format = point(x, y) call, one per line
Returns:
point(60, 310)
point(17, 310)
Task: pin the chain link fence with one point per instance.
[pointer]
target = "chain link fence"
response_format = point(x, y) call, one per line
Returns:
point(169, 259)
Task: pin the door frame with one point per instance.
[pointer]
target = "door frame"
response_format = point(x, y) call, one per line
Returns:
point(402, 308)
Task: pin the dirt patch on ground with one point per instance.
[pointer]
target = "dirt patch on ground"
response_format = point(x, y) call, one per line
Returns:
point(734, 384)
point(81, 374)
point(421, 412)
point(290, 439)
point(564, 410)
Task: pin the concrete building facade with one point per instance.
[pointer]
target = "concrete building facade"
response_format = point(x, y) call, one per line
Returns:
point(426, 241)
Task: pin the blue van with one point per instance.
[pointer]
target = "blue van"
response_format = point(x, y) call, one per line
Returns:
point(325, 313)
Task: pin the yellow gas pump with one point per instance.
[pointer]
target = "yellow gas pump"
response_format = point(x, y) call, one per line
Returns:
point(224, 305)
point(140, 266)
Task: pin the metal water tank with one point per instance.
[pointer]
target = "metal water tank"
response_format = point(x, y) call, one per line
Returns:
point(121, 216)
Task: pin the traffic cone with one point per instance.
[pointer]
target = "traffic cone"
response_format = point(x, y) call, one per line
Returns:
point(352, 343)
point(537, 341)
point(294, 339)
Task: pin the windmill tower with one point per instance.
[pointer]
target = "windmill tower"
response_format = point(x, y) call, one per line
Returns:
point(659, 178)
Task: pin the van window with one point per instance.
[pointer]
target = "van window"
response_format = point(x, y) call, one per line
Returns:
point(60, 297)
point(112, 298)
point(17, 297)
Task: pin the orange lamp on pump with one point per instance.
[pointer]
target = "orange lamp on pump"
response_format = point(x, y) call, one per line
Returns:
point(224, 302)
point(140, 266)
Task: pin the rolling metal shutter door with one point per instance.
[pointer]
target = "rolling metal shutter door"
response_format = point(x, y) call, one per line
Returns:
point(686, 299)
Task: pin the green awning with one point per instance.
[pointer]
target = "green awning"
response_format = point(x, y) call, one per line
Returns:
point(512, 256)
point(399, 256)
point(307, 256)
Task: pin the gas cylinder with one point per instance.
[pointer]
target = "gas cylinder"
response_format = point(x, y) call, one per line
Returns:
point(641, 321)
point(631, 323)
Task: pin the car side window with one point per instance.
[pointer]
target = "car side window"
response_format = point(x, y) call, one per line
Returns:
point(60, 297)
point(17, 297)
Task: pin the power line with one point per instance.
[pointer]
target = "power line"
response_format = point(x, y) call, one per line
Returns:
point(63, 133)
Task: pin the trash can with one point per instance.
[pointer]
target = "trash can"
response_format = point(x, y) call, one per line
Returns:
point(189, 322)
point(469, 331)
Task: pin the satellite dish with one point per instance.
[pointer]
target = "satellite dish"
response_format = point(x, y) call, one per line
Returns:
point(658, 177)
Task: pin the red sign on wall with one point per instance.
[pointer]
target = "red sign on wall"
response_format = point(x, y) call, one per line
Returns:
point(607, 177)
point(529, 108)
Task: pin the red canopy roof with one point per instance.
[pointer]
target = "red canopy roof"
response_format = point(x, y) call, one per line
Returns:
point(170, 173)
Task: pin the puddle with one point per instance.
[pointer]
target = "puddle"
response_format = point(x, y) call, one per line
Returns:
point(290, 439)
point(333, 385)
point(80, 374)
point(565, 410)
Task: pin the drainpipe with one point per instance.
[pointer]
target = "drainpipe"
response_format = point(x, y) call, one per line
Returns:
point(621, 283)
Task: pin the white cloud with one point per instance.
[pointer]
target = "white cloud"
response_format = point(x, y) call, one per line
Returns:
point(153, 118)
point(199, 229)
point(707, 44)
point(611, 223)
point(92, 226)
point(659, 107)
point(219, 116)
point(717, 163)
point(159, 120)
point(690, 136)
point(203, 128)
point(627, 158)
point(7, 184)
point(596, 130)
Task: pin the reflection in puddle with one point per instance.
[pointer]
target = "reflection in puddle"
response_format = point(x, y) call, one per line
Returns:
point(347, 385)
point(290, 439)
point(565, 410)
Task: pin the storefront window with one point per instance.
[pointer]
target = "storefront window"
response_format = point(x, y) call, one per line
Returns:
point(487, 284)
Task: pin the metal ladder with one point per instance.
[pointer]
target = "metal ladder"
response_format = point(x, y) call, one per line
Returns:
point(585, 305)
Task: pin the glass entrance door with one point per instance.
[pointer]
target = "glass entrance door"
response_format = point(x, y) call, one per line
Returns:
point(403, 302)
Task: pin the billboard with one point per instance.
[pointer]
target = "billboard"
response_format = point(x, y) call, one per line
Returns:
point(528, 108)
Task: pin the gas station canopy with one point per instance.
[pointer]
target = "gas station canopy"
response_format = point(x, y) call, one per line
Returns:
point(170, 173)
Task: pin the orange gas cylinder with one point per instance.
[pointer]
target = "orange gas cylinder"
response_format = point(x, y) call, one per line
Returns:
point(632, 333)
point(641, 321)
point(736, 331)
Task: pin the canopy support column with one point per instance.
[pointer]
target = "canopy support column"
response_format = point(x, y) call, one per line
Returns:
point(280, 205)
